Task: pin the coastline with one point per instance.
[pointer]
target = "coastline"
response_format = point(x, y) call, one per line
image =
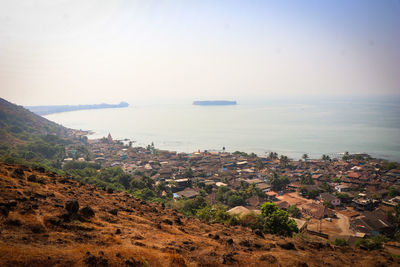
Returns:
point(286, 129)
point(52, 109)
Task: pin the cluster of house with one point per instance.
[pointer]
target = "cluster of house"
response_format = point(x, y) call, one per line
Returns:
point(362, 185)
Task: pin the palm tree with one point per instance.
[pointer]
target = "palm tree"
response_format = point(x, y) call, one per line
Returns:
point(273, 155)
point(305, 157)
point(284, 160)
point(325, 158)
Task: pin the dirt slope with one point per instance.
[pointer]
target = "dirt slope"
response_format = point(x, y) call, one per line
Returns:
point(40, 225)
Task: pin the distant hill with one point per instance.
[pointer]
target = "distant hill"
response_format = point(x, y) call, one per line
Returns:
point(18, 124)
point(29, 138)
point(45, 110)
point(214, 103)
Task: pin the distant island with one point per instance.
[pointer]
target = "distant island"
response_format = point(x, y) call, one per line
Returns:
point(214, 103)
point(45, 110)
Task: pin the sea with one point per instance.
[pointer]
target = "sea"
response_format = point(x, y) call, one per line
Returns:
point(291, 126)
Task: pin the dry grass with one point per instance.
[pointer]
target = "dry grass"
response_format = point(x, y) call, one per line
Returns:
point(43, 239)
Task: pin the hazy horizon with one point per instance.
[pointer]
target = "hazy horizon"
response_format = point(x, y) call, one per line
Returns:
point(73, 52)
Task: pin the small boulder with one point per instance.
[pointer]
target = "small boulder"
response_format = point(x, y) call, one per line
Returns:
point(40, 169)
point(229, 241)
point(91, 260)
point(87, 212)
point(65, 217)
point(178, 221)
point(18, 173)
point(167, 221)
point(32, 178)
point(287, 245)
point(228, 258)
point(72, 206)
point(4, 210)
point(113, 212)
point(268, 258)
point(245, 243)
point(56, 221)
point(259, 233)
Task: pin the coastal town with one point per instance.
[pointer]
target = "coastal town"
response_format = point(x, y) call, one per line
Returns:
point(346, 198)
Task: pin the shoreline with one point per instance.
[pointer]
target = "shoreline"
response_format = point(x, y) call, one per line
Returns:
point(264, 154)
point(53, 109)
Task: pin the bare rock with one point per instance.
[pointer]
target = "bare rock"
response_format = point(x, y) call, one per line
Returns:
point(72, 206)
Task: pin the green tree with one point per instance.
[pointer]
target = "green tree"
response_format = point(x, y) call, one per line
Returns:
point(393, 192)
point(124, 179)
point(208, 188)
point(325, 187)
point(284, 160)
point(372, 243)
point(145, 193)
point(305, 157)
point(217, 213)
point(259, 164)
point(343, 197)
point(160, 187)
point(277, 221)
point(294, 211)
point(306, 179)
point(268, 208)
point(341, 242)
point(325, 158)
point(223, 193)
point(313, 194)
point(189, 207)
point(188, 173)
point(278, 182)
point(273, 155)
point(235, 200)
point(394, 219)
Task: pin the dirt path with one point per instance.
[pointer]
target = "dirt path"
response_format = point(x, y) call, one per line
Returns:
point(343, 223)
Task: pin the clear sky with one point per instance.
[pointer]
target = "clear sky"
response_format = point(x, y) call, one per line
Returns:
point(71, 52)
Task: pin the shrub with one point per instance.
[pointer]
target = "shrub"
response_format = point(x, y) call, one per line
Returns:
point(373, 243)
point(217, 213)
point(251, 220)
point(340, 242)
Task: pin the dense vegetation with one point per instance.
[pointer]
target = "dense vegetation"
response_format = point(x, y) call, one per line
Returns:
point(271, 219)
point(114, 178)
point(277, 182)
point(48, 150)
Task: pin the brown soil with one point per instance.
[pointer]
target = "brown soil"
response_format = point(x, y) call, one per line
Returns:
point(37, 230)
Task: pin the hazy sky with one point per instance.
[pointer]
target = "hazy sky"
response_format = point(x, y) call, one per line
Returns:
point(86, 51)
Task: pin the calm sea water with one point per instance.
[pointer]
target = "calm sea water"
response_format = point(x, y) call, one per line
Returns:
point(288, 126)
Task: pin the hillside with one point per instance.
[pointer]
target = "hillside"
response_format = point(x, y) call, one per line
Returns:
point(18, 124)
point(49, 220)
point(27, 137)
